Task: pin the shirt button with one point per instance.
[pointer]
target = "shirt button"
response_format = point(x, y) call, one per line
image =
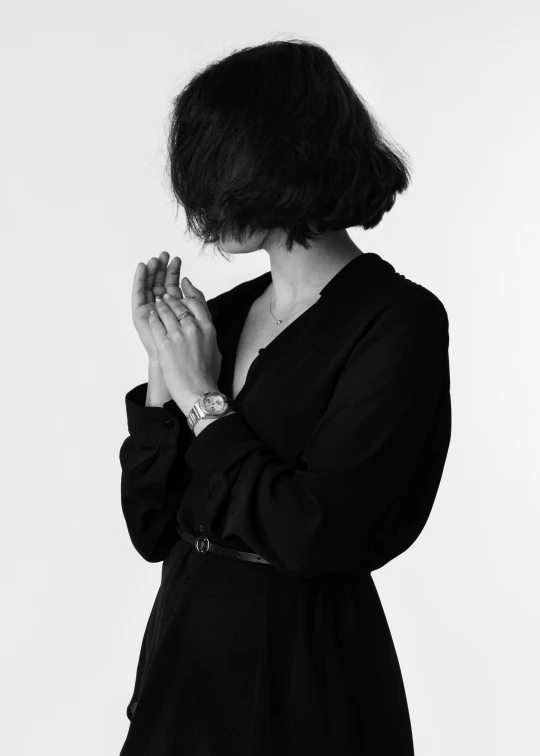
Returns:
point(168, 423)
point(201, 528)
point(187, 579)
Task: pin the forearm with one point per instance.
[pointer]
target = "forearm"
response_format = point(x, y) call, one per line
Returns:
point(154, 473)
point(157, 393)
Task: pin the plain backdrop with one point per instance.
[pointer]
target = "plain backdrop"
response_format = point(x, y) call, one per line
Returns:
point(86, 89)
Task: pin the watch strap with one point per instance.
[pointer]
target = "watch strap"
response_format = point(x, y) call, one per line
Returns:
point(198, 413)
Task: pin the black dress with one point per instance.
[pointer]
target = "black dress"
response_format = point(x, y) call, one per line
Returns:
point(328, 471)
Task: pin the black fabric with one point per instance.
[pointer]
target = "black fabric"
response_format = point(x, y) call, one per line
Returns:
point(328, 470)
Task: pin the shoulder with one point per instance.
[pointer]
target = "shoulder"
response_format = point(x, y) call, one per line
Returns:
point(410, 299)
point(376, 294)
point(398, 311)
point(401, 299)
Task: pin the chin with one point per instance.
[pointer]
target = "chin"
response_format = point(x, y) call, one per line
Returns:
point(252, 244)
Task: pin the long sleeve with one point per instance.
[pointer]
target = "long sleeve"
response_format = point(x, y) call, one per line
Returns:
point(154, 473)
point(371, 468)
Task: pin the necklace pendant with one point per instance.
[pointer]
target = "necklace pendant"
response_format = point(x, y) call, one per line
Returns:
point(279, 322)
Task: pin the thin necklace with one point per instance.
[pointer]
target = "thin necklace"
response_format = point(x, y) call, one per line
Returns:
point(278, 322)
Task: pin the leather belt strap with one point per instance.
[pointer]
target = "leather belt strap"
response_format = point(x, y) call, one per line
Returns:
point(202, 544)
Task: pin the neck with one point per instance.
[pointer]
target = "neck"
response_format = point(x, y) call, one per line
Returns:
point(298, 276)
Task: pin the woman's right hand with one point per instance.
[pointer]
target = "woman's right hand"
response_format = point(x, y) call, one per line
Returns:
point(153, 280)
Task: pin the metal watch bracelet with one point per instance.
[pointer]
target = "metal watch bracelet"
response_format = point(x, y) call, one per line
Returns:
point(196, 413)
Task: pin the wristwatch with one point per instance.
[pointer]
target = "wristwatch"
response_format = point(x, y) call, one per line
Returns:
point(209, 404)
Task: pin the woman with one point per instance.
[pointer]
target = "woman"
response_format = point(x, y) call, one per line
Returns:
point(293, 432)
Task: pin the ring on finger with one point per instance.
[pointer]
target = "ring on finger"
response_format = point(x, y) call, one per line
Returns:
point(182, 314)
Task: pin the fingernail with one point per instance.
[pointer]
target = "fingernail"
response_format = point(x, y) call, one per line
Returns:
point(158, 299)
point(166, 296)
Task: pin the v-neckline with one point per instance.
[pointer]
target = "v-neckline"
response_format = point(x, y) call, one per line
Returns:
point(258, 286)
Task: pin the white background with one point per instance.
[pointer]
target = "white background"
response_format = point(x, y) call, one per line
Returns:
point(85, 91)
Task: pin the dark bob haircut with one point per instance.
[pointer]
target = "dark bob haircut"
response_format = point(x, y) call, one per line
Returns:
point(275, 137)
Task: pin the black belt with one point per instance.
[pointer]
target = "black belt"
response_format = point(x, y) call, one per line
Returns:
point(202, 544)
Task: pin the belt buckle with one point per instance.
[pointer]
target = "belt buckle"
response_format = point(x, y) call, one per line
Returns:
point(202, 550)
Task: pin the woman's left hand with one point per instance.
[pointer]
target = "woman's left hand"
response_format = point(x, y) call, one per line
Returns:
point(187, 350)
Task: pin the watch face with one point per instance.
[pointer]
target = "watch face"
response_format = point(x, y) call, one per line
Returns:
point(214, 403)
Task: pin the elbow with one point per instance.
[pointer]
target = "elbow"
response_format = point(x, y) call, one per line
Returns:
point(150, 550)
point(152, 556)
point(153, 536)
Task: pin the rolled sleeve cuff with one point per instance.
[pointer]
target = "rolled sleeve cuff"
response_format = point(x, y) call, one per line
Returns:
point(167, 423)
point(215, 440)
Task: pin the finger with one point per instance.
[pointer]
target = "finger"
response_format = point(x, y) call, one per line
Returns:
point(196, 302)
point(178, 307)
point(156, 326)
point(172, 278)
point(158, 288)
point(151, 269)
point(167, 315)
point(138, 295)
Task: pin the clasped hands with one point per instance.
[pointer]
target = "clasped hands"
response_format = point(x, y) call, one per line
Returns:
point(186, 350)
